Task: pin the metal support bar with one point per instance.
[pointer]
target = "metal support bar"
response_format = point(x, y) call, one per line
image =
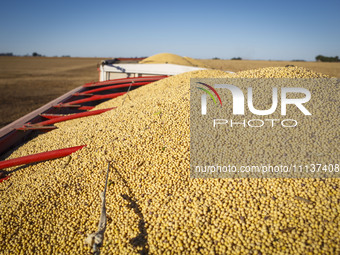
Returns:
point(113, 87)
point(69, 117)
point(67, 106)
point(82, 94)
point(93, 98)
point(86, 108)
point(125, 80)
point(38, 128)
point(39, 157)
point(51, 116)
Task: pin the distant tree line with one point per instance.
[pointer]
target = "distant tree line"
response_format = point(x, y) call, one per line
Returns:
point(326, 59)
point(34, 54)
point(6, 54)
point(238, 58)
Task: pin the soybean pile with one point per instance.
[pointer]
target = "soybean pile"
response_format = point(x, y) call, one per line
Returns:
point(152, 204)
point(169, 58)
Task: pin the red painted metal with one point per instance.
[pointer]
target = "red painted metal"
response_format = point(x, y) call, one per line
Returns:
point(39, 157)
point(62, 105)
point(37, 128)
point(87, 108)
point(93, 98)
point(81, 94)
point(125, 80)
point(4, 179)
point(80, 107)
point(51, 116)
point(113, 87)
point(70, 117)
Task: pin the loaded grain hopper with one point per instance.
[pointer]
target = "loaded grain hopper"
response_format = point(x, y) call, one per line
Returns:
point(137, 150)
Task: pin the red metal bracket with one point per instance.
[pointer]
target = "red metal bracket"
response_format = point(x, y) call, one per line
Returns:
point(82, 94)
point(40, 128)
point(93, 98)
point(39, 157)
point(87, 108)
point(61, 105)
point(69, 117)
point(125, 80)
point(112, 87)
point(5, 178)
point(51, 116)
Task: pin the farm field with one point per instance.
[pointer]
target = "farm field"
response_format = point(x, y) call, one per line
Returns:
point(26, 83)
point(331, 69)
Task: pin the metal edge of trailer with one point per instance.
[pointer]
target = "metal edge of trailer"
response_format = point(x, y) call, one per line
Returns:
point(10, 136)
point(28, 117)
point(20, 130)
point(143, 69)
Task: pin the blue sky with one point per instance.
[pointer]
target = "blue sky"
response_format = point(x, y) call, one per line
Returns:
point(277, 30)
